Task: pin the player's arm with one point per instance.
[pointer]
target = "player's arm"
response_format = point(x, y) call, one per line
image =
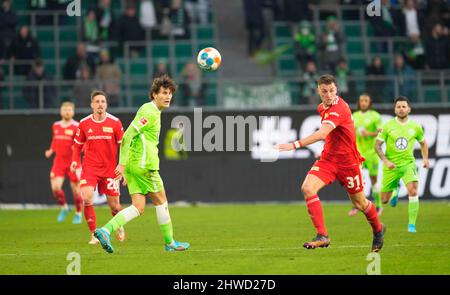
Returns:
point(320, 134)
point(127, 138)
point(49, 152)
point(424, 150)
point(380, 153)
point(78, 144)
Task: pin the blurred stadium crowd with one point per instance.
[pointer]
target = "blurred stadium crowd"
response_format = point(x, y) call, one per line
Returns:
point(109, 44)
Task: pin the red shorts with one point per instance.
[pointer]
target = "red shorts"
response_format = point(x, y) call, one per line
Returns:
point(350, 177)
point(106, 185)
point(60, 169)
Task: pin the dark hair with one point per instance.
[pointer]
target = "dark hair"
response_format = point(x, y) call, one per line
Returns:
point(402, 98)
point(326, 79)
point(163, 81)
point(370, 100)
point(96, 92)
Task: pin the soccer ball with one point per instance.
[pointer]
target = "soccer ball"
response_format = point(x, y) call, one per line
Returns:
point(209, 59)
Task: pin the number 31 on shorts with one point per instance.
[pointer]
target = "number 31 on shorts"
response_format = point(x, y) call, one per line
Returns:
point(113, 184)
point(351, 181)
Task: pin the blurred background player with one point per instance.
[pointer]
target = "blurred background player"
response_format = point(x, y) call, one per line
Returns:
point(63, 133)
point(367, 125)
point(399, 135)
point(99, 136)
point(339, 159)
point(139, 164)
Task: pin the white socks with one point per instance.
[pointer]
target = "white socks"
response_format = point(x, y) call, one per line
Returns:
point(162, 213)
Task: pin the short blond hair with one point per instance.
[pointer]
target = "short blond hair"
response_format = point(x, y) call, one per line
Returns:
point(68, 104)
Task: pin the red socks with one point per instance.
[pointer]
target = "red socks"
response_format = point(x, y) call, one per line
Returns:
point(78, 203)
point(60, 196)
point(89, 215)
point(372, 217)
point(316, 213)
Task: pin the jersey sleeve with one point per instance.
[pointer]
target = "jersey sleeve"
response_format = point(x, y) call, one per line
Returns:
point(53, 144)
point(118, 132)
point(79, 141)
point(419, 133)
point(383, 134)
point(336, 116)
point(378, 121)
point(140, 122)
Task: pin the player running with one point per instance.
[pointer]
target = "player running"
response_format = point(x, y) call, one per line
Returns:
point(367, 125)
point(99, 136)
point(139, 164)
point(339, 159)
point(63, 133)
point(399, 134)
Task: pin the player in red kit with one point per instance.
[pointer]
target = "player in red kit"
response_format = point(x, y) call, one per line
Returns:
point(63, 133)
point(339, 159)
point(99, 136)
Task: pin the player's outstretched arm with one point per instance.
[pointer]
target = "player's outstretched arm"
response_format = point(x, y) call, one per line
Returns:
point(320, 134)
point(424, 150)
point(379, 150)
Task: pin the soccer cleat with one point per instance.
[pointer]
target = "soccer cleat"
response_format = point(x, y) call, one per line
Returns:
point(353, 212)
point(378, 239)
point(103, 236)
point(394, 199)
point(120, 234)
point(412, 228)
point(320, 241)
point(177, 246)
point(93, 241)
point(62, 215)
point(379, 211)
point(76, 219)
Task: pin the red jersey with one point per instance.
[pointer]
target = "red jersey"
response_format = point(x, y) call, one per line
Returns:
point(62, 140)
point(100, 141)
point(340, 144)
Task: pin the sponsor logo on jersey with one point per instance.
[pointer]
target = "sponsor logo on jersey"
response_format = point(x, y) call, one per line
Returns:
point(334, 114)
point(315, 168)
point(143, 121)
point(108, 129)
point(90, 130)
point(83, 181)
point(99, 137)
point(68, 132)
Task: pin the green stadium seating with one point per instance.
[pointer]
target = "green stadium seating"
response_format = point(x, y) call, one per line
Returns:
point(432, 94)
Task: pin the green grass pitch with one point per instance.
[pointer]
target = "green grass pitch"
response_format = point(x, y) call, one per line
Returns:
point(230, 239)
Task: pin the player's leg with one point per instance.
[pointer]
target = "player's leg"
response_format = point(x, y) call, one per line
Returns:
point(360, 201)
point(352, 179)
point(413, 205)
point(78, 200)
point(116, 207)
point(317, 178)
point(159, 200)
point(389, 184)
point(411, 180)
point(87, 193)
point(376, 194)
point(56, 183)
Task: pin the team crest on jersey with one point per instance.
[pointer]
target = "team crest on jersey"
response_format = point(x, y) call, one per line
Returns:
point(326, 115)
point(315, 168)
point(68, 132)
point(108, 129)
point(143, 121)
point(83, 181)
